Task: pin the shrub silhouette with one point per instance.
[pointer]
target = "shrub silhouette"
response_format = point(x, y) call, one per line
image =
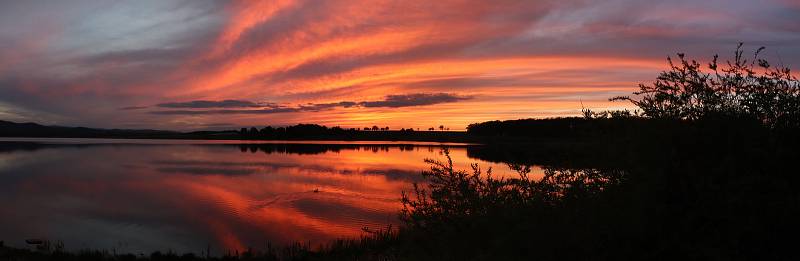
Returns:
point(742, 88)
point(457, 195)
point(472, 215)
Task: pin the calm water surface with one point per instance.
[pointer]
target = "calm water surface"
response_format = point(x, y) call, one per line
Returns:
point(146, 195)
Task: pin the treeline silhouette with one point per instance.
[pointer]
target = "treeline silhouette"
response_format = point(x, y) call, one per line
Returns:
point(301, 130)
point(321, 132)
point(313, 149)
point(294, 132)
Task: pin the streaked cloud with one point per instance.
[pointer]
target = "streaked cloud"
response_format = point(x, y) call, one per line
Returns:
point(355, 63)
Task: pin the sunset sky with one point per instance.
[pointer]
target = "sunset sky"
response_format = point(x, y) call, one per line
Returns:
point(191, 65)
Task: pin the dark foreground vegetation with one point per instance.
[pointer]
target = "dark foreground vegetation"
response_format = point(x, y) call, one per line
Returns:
point(707, 170)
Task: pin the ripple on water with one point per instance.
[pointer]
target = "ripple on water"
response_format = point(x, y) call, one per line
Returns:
point(347, 215)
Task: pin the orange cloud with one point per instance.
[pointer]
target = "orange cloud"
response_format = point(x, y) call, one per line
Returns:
point(517, 59)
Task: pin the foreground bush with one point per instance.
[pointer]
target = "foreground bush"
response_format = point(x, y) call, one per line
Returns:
point(741, 88)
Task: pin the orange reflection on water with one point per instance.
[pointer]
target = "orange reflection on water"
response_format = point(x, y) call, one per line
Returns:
point(186, 197)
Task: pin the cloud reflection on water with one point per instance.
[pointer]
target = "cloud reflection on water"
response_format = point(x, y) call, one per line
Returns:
point(185, 197)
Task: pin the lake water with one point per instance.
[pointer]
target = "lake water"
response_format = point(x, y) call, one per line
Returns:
point(147, 195)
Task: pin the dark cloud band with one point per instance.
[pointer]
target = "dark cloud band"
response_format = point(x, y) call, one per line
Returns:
point(130, 108)
point(211, 104)
point(391, 101)
point(418, 99)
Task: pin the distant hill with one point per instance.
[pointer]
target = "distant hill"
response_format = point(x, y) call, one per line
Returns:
point(29, 129)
